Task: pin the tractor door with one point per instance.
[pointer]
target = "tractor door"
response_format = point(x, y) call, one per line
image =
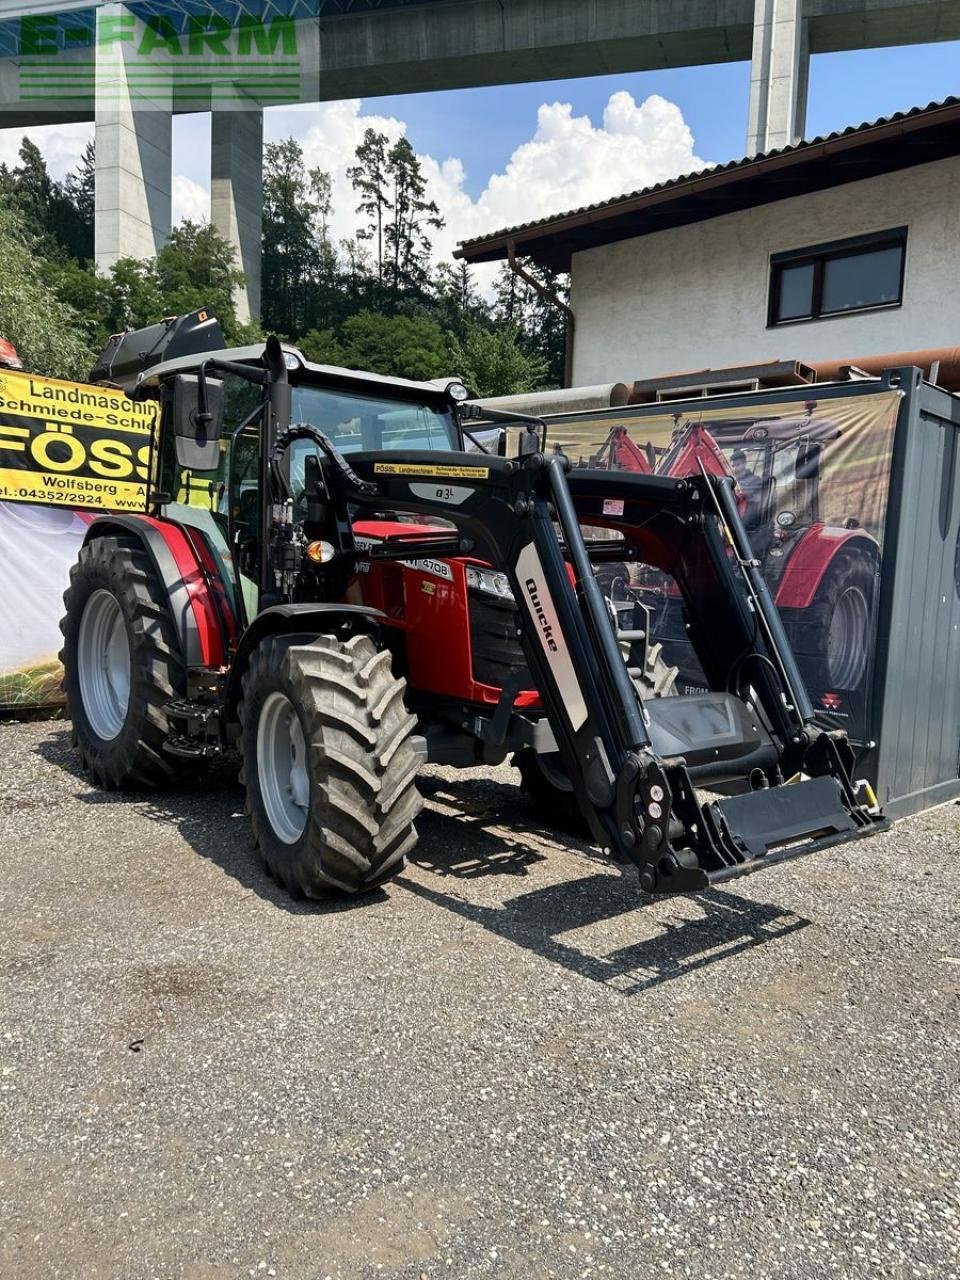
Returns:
point(221, 504)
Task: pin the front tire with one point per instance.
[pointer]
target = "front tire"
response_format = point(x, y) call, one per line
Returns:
point(328, 764)
point(122, 663)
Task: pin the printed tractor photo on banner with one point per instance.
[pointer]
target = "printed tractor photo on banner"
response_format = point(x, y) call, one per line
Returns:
point(811, 480)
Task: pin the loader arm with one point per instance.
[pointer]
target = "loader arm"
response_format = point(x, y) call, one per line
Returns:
point(523, 516)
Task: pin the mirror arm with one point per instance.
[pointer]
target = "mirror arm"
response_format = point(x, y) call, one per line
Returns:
point(250, 373)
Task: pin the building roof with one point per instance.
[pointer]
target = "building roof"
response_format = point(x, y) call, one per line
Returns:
point(894, 142)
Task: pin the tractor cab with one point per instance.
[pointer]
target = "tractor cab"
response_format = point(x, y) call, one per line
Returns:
point(212, 468)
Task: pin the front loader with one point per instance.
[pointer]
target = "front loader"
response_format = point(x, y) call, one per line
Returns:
point(341, 578)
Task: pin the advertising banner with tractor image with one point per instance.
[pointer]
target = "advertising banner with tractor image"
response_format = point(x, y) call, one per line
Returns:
point(66, 450)
point(812, 480)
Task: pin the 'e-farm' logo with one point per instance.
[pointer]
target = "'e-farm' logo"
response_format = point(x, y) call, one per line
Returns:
point(68, 60)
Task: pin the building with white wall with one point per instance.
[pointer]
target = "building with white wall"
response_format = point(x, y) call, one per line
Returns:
point(841, 247)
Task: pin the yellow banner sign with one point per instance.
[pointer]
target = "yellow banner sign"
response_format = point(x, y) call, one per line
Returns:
point(72, 445)
point(422, 469)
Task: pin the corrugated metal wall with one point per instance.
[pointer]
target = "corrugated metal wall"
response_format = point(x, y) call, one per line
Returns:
point(918, 710)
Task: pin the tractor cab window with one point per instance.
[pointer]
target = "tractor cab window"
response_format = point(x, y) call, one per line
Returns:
point(356, 423)
point(199, 498)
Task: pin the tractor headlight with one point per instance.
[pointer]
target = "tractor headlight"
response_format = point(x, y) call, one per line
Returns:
point(490, 581)
point(786, 519)
point(457, 391)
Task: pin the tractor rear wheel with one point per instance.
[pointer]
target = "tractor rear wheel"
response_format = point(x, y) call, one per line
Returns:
point(329, 768)
point(542, 777)
point(841, 619)
point(122, 663)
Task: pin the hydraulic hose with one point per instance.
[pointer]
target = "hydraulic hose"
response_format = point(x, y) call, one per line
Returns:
point(304, 431)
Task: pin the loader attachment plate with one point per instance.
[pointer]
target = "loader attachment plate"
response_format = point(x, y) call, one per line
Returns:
point(782, 822)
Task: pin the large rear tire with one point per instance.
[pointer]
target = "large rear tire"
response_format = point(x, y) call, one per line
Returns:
point(329, 768)
point(840, 621)
point(122, 663)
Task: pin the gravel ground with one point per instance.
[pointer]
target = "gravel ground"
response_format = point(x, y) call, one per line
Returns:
point(509, 1064)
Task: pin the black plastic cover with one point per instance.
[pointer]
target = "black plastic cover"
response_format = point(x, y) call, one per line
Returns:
point(128, 354)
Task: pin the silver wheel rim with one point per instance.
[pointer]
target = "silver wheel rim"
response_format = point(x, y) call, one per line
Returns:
point(847, 639)
point(103, 665)
point(282, 768)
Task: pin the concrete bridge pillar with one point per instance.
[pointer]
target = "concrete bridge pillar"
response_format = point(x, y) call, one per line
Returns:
point(778, 75)
point(236, 196)
point(133, 150)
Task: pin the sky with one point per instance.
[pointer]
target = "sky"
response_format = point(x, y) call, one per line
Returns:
point(495, 157)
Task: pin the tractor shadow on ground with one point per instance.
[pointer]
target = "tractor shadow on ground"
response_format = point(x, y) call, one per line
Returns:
point(210, 819)
point(456, 843)
point(469, 831)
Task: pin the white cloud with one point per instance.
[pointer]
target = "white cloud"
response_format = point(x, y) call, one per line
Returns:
point(61, 144)
point(191, 200)
point(568, 162)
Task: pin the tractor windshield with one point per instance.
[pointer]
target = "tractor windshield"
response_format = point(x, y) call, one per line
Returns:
point(355, 422)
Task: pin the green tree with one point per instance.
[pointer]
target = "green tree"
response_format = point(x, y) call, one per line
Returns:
point(458, 305)
point(78, 191)
point(370, 180)
point(32, 187)
point(299, 262)
point(541, 323)
point(398, 346)
point(492, 362)
point(412, 217)
point(323, 346)
point(132, 295)
point(47, 332)
point(196, 268)
point(61, 227)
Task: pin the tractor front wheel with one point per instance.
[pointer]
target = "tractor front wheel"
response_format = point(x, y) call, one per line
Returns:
point(329, 768)
point(121, 664)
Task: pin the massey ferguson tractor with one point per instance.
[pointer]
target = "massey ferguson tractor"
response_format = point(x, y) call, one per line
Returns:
point(342, 578)
point(823, 576)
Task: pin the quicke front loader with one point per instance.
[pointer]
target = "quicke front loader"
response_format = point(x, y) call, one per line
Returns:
point(343, 579)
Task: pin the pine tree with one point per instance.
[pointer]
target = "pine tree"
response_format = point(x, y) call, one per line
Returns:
point(78, 193)
point(297, 256)
point(459, 304)
point(33, 187)
point(370, 177)
point(407, 234)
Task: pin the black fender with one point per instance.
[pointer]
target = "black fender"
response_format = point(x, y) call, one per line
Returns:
point(280, 618)
point(201, 638)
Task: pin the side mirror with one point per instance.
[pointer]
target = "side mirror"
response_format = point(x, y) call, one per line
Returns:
point(807, 466)
point(198, 443)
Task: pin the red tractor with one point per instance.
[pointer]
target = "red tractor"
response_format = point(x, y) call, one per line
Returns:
point(341, 580)
point(823, 576)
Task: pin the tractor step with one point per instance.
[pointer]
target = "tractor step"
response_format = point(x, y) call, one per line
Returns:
point(190, 748)
point(185, 709)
